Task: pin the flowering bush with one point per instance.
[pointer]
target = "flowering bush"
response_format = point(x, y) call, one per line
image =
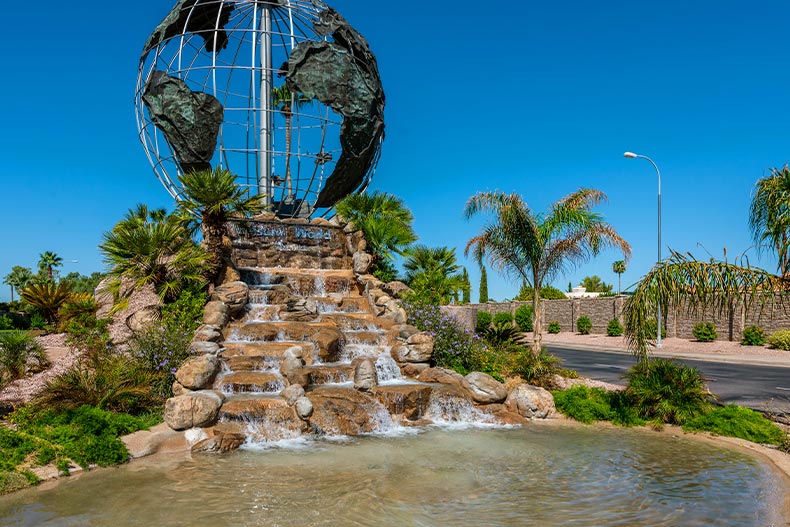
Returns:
point(162, 350)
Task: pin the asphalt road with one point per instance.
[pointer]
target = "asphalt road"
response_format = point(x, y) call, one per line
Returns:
point(758, 387)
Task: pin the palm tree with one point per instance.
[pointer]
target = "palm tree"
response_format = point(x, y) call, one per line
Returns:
point(619, 268)
point(534, 248)
point(214, 197)
point(144, 251)
point(18, 278)
point(715, 285)
point(594, 284)
point(47, 262)
point(283, 97)
point(383, 219)
point(432, 272)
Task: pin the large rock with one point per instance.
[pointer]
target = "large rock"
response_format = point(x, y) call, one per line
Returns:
point(485, 389)
point(104, 298)
point(198, 372)
point(418, 348)
point(365, 377)
point(234, 295)
point(143, 319)
point(344, 411)
point(304, 407)
point(329, 342)
point(444, 376)
point(408, 400)
point(200, 347)
point(192, 409)
point(531, 402)
point(292, 394)
point(206, 333)
point(361, 262)
point(395, 289)
point(221, 443)
point(216, 313)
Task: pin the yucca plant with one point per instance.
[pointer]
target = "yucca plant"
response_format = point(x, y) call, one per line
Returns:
point(18, 350)
point(48, 298)
point(500, 333)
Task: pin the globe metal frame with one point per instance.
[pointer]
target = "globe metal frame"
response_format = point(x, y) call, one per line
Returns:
point(261, 34)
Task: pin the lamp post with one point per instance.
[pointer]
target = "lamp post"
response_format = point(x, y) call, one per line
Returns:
point(631, 155)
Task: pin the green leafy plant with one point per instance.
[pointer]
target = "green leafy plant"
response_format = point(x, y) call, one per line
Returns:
point(651, 329)
point(589, 405)
point(18, 352)
point(524, 318)
point(753, 336)
point(6, 323)
point(614, 329)
point(89, 335)
point(704, 332)
point(547, 292)
point(537, 370)
point(483, 321)
point(667, 391)
point(584, 325)
point(736, 421)
point(37, 321)
point(186, 311)
point(78, 308)
point(554, 327)
point(500, 332)
point(48, 298)
point(161, 350)
point(780, 340)
point(503, 318)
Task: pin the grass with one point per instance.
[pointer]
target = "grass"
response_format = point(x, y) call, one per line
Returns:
point(736, 421)
point(589, 405)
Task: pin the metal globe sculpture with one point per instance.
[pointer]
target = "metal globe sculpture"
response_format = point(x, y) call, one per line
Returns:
point(283, 93)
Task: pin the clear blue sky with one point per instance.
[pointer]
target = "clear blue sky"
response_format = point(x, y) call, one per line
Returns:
point(538, 98)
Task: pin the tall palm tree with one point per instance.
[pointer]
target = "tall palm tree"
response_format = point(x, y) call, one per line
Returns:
point(18, 278)
point(619, 268)
point(47, 261)
point(534, 248)
point(214, 197)
point(287, 100)
point(769, 215)
point(383, 219)
point(432, 272)
point(713, 285)
point(149, 251)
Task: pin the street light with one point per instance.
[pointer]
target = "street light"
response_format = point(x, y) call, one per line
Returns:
point(631, 155)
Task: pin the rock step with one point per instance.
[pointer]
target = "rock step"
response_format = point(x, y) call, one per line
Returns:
point(352, 321)
point(265, 313)
point(250, 382)
point(272, 427)
point(304, 282)
point(342, 304)
point(240, 407)
point(273, 331)
point(329, 374)
point(373, 338)
point(407, 400)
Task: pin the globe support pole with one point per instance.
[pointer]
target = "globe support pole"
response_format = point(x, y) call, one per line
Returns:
point(266, 115)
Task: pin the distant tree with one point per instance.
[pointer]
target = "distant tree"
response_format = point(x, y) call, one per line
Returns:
point(47, 262)
point(483, 285)
point(570, 287)
point(467, 298)
point(81, 283)
point(547, 292)
point(594, 284)
point(619, 268)
point(18, 279)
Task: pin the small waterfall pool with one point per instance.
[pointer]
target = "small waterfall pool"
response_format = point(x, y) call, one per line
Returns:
point(542, 475)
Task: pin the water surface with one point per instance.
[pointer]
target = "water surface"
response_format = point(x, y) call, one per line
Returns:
point(534, 476)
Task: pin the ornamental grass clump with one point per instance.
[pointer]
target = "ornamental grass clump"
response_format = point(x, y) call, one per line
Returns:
point(589, 405)
point(19, 352)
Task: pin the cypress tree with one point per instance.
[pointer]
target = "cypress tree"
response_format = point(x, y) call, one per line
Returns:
point(467, 288)
point(483, 285)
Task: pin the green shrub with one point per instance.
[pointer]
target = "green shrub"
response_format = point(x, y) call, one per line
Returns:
point(524, 318)
point(704, 332)
point(614, 329)
point(161, 350)
point(537, 370)
point(503, 318)
point(736, 421)
point(186, 311)
point(589, 405)
point(667, 391)
point(584, 325)
point(11, 480)
point(780, 340)
point(650, 328)
point(6, 323)
point(18, 353)
point(547, 292)
point(89, 334)
point(483, 321)
point(554, 327)
point(753, 336)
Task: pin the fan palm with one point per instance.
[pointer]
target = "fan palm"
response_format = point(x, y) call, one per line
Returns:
point(533, 248)
point(383, 219)
point(287, 101)
point(160, 253)
point(214, 196)
point(432, 272)
point(48, 261)
point(618, 267)
point(18, 278)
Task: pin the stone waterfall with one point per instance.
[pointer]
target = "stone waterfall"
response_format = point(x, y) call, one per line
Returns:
point(299, 340)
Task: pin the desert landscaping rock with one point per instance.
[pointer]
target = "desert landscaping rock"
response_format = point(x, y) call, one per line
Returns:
point(198, 372)
point(206, 333)
point(485, 389)
point(361, 262)
point(194, 409)
point(531, 402)
point(234, 295)
point(419, 348)
point(444, 376)
point(216, 313)
point(219, 444)
point(365, 377)
point(201, 347)
point(292, 393)
point(143, 319)
point(304, 407)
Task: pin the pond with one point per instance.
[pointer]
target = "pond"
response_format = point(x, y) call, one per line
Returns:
point(531, 476)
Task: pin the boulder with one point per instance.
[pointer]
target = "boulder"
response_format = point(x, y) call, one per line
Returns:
point(198, 372)
point(503, 415)
point(228, 274)
point(404, 331)
point(304, 407)
point(234, 295)
point(292, 393)
point(485, 389)
point(361, 262)
point(531, 402)
point(178, 389)
point(395, 289)
point(408, 400)
point(444, 376)
point(192, 409)
point(216, 313)
point(413, 369)
point(344, 411)
point(418, 348)
point(104, 298)
point(206, 333)
point(142, 319)
point(365, 377)
point(200, 347)
point(329, 342)
point(219, 444)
